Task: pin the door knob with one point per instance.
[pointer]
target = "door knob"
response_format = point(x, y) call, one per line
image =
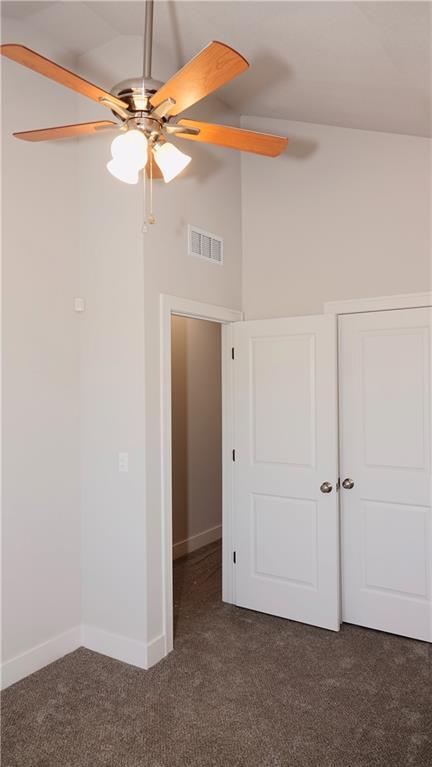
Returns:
point(326, 487)
point(348, 483)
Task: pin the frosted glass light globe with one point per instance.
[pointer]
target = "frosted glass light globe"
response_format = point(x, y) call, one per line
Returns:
point(130, 147)
point(170, 160)
point(123, 171)
point(129, 152)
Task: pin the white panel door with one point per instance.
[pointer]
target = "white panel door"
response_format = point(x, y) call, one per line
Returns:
point(285, 424)
point(385, 449)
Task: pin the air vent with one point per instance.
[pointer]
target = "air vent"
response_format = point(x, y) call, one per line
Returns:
point(205, 245)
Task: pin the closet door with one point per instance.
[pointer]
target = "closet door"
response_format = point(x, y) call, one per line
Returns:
point(385, 458)
point(285, 472)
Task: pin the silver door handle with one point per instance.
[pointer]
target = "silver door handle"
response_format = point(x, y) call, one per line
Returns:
point(326, 487)
point(348, 483)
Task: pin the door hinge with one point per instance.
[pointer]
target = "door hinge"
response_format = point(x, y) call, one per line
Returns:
point(233, 455)
point(232, 352)
point(235, 557)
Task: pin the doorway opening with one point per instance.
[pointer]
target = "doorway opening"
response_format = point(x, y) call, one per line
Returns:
point(196, 434)
point(223, 317)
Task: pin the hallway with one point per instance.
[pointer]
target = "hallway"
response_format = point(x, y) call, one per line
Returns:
point(241, 689)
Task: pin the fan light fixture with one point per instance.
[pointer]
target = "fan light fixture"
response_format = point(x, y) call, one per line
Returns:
point(170, 160)
point(129, 156)
point(130, 152)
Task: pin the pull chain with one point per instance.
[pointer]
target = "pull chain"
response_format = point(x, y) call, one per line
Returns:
point(148, 218)
point(151, 219)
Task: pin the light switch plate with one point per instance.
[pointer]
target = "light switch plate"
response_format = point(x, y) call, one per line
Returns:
point(123, 461)
point(79, 304)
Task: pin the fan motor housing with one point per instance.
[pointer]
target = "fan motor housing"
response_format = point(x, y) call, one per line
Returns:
point(137, 92)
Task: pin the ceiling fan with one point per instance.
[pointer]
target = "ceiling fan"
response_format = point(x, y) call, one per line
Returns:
point(145, 110)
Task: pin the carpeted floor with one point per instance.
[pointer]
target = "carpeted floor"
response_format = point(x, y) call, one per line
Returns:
point(241, 689)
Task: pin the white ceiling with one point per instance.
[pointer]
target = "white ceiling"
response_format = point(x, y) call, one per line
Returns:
point(354, 64)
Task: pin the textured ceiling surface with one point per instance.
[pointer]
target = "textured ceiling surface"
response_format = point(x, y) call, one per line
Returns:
point(362, 65)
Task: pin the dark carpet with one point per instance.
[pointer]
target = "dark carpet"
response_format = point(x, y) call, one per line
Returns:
point(241, 689)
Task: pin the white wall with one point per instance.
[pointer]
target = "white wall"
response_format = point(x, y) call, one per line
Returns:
point(41, 522)
point(123, 273)
point(112, 381)
point(343, 214)
point(196, 433)
point(76, 390)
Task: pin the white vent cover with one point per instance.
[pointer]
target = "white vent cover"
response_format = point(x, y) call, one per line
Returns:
point(205, 245)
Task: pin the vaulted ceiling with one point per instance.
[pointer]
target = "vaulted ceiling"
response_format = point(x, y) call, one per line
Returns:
point(361, 65)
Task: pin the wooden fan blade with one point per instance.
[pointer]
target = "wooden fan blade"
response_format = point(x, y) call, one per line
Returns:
point(65, 131)
point(43, 66)
point(235, 138)
point(214, 66)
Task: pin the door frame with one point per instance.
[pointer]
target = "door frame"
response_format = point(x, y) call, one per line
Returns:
point(379, 303)
point(185, 307)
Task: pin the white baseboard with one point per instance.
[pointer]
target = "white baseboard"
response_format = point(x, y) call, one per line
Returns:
point(196, 541)
point(156, 650)
point(39, 656)
point(116, 646)
point(121, 648)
